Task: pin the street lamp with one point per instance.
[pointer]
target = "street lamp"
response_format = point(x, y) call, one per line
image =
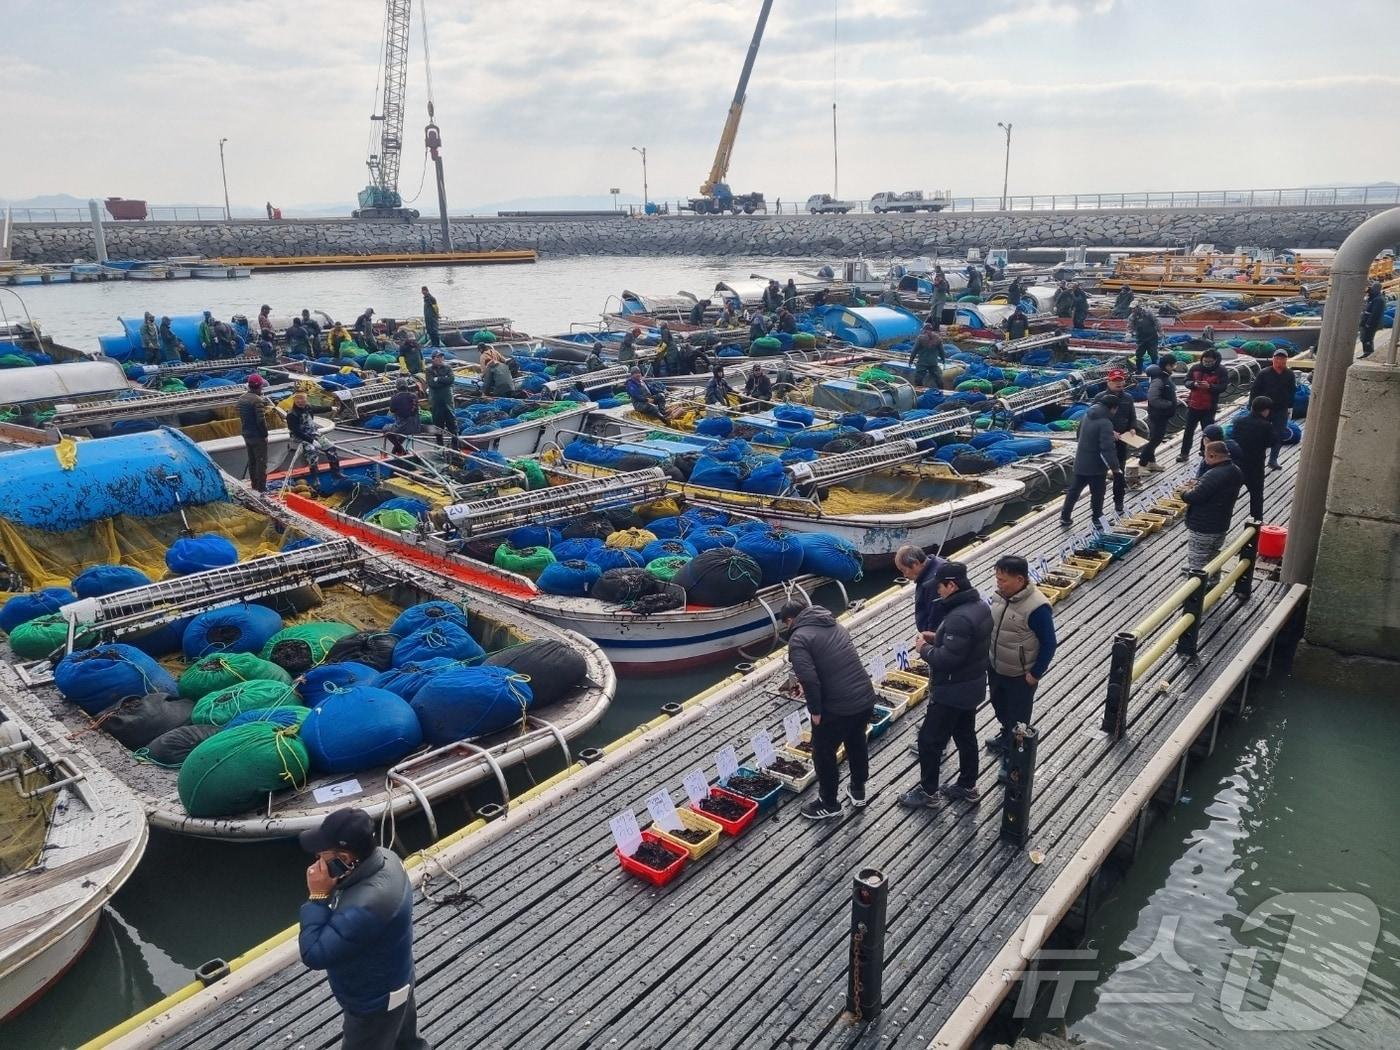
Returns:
point(1006, 172)
point(224, 173)
point(645, 194)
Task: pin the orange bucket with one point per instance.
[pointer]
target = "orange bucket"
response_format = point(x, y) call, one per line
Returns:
point(1272, 540)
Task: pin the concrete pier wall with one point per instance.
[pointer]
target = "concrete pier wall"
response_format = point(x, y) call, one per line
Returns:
point(819, 236)
point(1355, 603)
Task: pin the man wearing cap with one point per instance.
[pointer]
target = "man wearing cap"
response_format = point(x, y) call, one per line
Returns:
point(1124, 419)
point(252, 421)
point(1279, 384)
point(1205, 382)
point(357, 925)
point(1254, 434)
point(840, 698)
point(958, 659)
point(757, 385)
point(1094, 457)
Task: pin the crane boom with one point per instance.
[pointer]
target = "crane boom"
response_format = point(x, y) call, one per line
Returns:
point(720, 168)
point(383, 188)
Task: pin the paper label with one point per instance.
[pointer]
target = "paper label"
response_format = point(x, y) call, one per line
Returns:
point(663, 811)
point(727, 762)
point(877, 668)
point(763, 748)
point(901, 656)
point(697, 788)
point(331, 792)
point(625, 831)
point(792, 728)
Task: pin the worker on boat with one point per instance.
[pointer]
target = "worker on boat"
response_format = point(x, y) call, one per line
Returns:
point(252, 423)
point(298, 338)
point(927, 357)
point(647, 398)
point(364, 330)
point(1022, 646)
point(1205, 382)
point(1210, 506)
point(784, 382)
point(496, 380)
point(818, 298)
point(267, 353)
point(265, 320)
point(1146, 332)
point(301, 424)
point(1279, 384)
point(1372, 313)
point(974, 280)
point(403, 406)
point(313, 330)
point(790, 295)
point(758, 385)
point(668, 354)
point(772, 296)
point(406, 343)
point(730, 317)
point(758, 326)
point(1123, 304)
point(172, 349)
point(958, 657)
point(150, 339)
point(1014, 291)
point(594, 361)
point(441, 382)
point(627, 350)
point(225, 342)
point(357, 925)
point(787, 323)
point(1161, 410)
point(206, 334)
point(697, 312)
point(717, 390)
point(1063, 303)
point(1080, 313)
point(840, 699)
point(1094, 458)
point(1016, 322)
point(338, 336)
point(942, 292)
point(1124, 418)
point(432, 317)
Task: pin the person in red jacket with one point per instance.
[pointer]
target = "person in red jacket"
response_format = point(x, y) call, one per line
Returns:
point(1205, 382)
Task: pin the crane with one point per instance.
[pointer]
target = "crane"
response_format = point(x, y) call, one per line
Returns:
point(717, 195)
point(380, 199)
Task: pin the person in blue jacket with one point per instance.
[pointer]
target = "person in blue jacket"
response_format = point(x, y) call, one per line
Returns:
point(357, 925)
point(648, 398)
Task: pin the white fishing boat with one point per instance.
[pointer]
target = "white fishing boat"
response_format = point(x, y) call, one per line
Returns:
point(209, 271)
point(72, 835)
point(300, 571)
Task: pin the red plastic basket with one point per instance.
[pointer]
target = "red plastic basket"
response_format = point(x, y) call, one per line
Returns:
point(656, 878)
point(731, 827)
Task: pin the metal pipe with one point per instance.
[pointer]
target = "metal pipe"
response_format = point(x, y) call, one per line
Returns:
point(1154, 652)
point(1236, 545)
point(1158, 616)
point(1335, 350)
point(1226, 582)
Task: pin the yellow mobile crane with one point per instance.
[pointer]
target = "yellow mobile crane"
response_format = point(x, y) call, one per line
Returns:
point(718, 197)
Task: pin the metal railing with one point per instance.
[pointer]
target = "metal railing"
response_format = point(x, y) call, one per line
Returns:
point(154, 213)
point(1194, 599)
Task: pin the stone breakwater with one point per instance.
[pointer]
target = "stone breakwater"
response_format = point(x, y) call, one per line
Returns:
point(807, 236)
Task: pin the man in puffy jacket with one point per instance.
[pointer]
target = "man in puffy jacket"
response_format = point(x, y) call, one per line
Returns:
point(958, 659)
point(1023, 644)
point(840, 698)
point(1161, 408)
point(1205, 382)
point(1253, 435)
point(1146, 334)
point(926, 358)
point(758, 386)
point(717, 390)
point(647, 398)
point(252, 421)
point(1095, 456)
point(1372, 313)
point(1279, 384)
point(1210, 505)
point(357, 925)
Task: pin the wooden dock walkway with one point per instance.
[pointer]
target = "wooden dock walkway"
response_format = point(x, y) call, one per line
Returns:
point(749, 946)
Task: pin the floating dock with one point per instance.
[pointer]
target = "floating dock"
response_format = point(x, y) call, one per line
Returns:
point(749, 946)
point(365, 262)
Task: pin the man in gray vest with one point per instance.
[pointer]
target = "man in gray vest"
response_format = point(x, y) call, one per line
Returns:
point(1023, 644)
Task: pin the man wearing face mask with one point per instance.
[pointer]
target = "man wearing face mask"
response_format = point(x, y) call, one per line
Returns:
point(357, 925)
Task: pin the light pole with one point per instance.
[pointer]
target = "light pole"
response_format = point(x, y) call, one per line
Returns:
point(1006, 172)
point(224, 173)
point(645, 194)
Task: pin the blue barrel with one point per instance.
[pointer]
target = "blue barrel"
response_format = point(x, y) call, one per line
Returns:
point(130, 474)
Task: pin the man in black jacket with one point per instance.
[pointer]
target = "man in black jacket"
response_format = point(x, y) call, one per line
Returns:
point(958, 658)
point(919, 568)
point(1123, 302)
point(1372, 313)
point(1146, 333)
point(1279, 384)
point(1095, 455)
point(1254, 434)
point(1124, 419)
point(1161, 408)
point(840, 698)
point(1210, 505)
point(253, 423)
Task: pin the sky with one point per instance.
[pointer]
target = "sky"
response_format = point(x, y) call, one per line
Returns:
point(545, 98)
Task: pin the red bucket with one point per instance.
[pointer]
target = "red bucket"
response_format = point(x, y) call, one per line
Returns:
point(1272, 540)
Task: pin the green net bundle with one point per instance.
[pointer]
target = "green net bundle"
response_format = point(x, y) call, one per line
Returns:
point(217, 709)
point(234, 770)
point(667, 567)
point(534, 473)
point(225, 669)
point(393, 519)
point(300, 648)
point(528, 561)
point(877, 375)
point(41, 636)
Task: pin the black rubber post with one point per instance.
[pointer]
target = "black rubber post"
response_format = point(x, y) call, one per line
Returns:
point(1244, 586)
point(1194, 606)
point(1020, 785)
point(1120, 684)
point(866, 965)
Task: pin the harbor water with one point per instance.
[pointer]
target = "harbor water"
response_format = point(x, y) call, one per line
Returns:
point(1295, 798)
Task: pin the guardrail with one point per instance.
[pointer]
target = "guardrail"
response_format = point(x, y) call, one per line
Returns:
point(1194, 599)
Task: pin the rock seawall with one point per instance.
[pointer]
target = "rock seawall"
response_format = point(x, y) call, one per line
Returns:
point(831, 236)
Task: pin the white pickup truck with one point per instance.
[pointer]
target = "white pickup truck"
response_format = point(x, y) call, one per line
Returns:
point(910, 201)
point(825, 203)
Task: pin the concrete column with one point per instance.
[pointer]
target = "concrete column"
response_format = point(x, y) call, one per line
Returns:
point(1355, 603)
point(99, 239)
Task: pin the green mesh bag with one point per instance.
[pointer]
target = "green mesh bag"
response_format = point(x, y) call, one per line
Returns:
point(534, 473)
point(40, 636)
point(225, 669)
point(667, 567)
point(217, 709)
point(300, 648)
point(234, 770)
point(528, 561)
point(393, 519)
point(378, 362)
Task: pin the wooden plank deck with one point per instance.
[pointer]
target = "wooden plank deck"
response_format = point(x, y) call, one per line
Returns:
point(748, 947)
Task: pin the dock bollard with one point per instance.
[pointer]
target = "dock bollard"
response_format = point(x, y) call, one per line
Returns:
point(866, 963)
point(1020, 785)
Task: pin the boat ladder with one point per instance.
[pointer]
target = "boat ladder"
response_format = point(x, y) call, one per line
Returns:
point(833, 469)
point(589, 381)
point(1031, 342)
point(91, 413)
point(524, 508)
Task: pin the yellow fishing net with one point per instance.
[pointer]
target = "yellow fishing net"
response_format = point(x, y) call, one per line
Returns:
point(24, 822)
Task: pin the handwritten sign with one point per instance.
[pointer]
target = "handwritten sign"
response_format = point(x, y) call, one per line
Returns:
point(727, 762)
point(877, 668)
point(697, 787)
point(901, 656)
point(792, 728)
point(663, 811)
point(332, 792)
point(763, 748)
point(626, 832)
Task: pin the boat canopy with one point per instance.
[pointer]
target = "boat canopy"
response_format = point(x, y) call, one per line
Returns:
point(644, 303)
point(982, 315)
point(742, 291)
point(54, 382)
point(871, 325)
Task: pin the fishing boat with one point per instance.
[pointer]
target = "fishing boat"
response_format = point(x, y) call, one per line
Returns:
point(146, 502)
point(72, 835)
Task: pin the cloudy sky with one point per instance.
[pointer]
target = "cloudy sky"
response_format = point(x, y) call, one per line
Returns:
point(546, 97)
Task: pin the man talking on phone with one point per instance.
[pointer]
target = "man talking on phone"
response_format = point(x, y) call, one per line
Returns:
point(357, 925)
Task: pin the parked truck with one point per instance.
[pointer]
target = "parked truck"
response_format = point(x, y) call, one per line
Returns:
point(825, 203)
point(910, 201)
